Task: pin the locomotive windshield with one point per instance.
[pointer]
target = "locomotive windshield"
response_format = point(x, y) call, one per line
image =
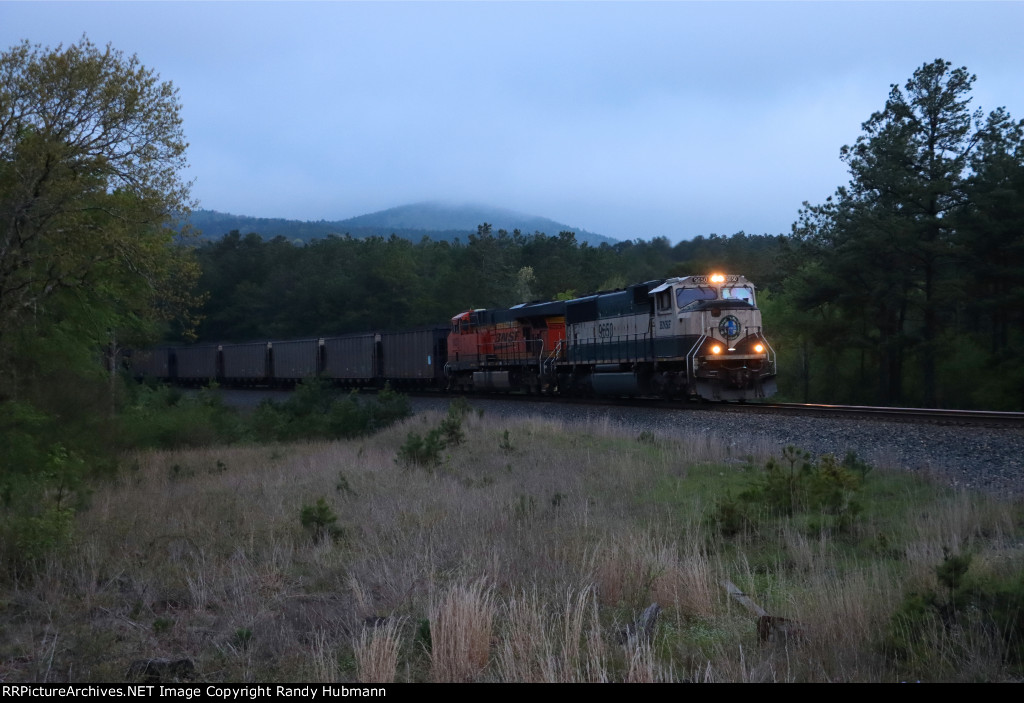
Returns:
point(738, 293)
point(687, 296)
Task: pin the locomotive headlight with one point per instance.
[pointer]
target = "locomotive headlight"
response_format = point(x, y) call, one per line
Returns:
point(717, 278)
point(759, 348)
point(716, 349)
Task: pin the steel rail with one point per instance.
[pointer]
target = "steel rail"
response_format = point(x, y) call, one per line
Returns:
point(879, 413)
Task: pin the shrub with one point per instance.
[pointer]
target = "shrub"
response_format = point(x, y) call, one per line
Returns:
point(319, 520)
point(388, 408)
point(934, 630)
point(315, 410)
point(29, 537)
point(823, 486)
point(163, 418)
point(420, 450)
point(451, 430)
point(732, 516)
point(42, 482)
point(425, 450)
point(795, 484)
point(506, 443)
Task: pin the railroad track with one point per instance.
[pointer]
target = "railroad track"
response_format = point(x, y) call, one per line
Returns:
point(929, 415)
point(917, 415)
point(981, 418)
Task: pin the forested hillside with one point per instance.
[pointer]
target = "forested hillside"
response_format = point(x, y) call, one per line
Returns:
point(278, 289)
point(435, 221)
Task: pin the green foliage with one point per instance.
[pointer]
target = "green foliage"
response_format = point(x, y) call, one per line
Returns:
point(852, 462)
point(425, 450)
point(42, 482)
point(162, 625)
point(389, 407)
point(646, 437)
point(343, 486)
point(165, 418)
point(423, 637)
point(91, 148)
point(915, 256)
point(29, 536)
point(506, 443)
point(316, 410)
point(451, 425)
point(823, 486)
point(934, 632)
point(460, 408)
point(732, 517)
point(320, 521)
point(421, 450)
point(952, 570)
point(524, 507)
point(273, 288)
point(242, 638)
point(825, 489)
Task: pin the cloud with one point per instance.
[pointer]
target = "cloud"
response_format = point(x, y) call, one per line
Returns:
point(628, 119)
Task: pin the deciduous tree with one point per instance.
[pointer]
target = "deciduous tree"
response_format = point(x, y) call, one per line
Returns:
point(91, 156)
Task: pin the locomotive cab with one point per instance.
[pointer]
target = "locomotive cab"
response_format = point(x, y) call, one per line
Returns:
point(709, 340)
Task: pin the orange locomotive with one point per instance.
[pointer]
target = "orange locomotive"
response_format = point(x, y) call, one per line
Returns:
point(505, 349)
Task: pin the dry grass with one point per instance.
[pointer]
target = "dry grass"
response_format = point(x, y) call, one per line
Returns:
point(376, 651)
point(531, 560)
point(460, 632)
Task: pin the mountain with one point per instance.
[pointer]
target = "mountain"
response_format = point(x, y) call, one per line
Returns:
point(433, 220)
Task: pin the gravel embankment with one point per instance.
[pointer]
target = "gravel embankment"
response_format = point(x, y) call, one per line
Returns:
point(986, 458)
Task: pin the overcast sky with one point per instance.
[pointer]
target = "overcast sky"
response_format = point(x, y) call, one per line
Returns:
point(626, 119)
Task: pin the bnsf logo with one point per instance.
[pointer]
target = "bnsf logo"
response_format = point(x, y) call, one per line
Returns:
point(665, 324)
point(505, 336)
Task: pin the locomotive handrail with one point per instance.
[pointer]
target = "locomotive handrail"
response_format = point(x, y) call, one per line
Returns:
point(771, 351)
point(691, 359)
point(555, 354)
point(601, 350)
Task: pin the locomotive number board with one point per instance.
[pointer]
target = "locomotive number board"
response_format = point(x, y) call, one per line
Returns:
point(707, 279)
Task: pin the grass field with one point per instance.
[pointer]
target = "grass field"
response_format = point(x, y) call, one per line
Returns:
point(522, 551)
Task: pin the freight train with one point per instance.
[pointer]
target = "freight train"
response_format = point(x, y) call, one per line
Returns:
point(693, 336)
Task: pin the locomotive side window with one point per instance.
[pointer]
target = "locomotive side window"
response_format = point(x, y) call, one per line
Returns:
point(686, 296)
point(664, 300)
point(738, 293)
